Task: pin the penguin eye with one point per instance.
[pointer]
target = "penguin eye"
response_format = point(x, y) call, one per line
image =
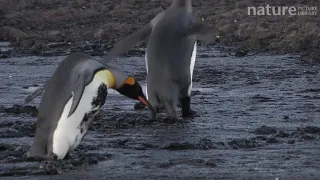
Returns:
point(130, 81)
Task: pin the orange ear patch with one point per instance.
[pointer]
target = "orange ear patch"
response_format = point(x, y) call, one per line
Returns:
point(130, 81)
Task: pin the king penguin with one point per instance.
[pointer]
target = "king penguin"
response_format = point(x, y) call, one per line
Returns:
point(170, 55)
point(71, 99)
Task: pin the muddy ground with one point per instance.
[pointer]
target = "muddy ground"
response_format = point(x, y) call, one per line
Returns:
point(258, 117)
point(56, 27)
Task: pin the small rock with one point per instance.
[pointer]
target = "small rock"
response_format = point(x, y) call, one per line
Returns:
point(283, 134)
point(266, 130)
point(100, 34)
point(139, 105)
point(5, 147)
point(211, 163)
point(38, 46)
point(243, 143)
point(148, 146)
point(291, 141)
point(205, 144)
point(51, 169)
point(180, 146)
point(241, 53)
point(307, 137)
point(199, 161)
point(165, 164)
point(92, 161)
point(55, 36)
point(18, 109)
point(286, 117)
point(12, 34)
point(260, 98)
point(311, 129)
point(2, 109)
point(272, 140)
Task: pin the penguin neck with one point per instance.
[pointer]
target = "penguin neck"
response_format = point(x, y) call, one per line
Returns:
point(182, 3)
point(107, 78)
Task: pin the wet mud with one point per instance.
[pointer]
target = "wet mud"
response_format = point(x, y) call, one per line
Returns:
point(257, 117)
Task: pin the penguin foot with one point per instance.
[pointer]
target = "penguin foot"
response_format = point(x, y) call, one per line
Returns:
point(191, 113)
point(50, 168)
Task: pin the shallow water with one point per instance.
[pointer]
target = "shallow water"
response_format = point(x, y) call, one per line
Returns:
point(256, 118)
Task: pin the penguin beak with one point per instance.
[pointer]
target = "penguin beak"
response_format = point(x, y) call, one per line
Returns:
point(144, 101)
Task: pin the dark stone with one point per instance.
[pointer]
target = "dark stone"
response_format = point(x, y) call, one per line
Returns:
point(307, 137)
point(266, 130)
point(291, 141)
point(272, 140)
point(211, 163)
point(92, 161)
point(283, 134)
point(310, 129)
point(18, 109)
point(260, 98)
point(286, 117)
point(206, 144)
point(241, 53)
point(4, 147)
point(139, 105)
point(2, 109)
point(51, 169)
point(243, 143)
point(180, 146)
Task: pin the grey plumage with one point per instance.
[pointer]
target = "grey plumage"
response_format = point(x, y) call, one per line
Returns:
point(72, 75)
point(168, 54)
point(172, 36)
point(71, 99)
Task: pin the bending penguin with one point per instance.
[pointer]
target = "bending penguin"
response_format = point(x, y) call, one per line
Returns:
point(71, 99)
point(170, 55)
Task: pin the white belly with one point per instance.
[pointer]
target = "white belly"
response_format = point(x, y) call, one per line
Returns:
point(68, 135)
point(192, 62)
point(146, 59)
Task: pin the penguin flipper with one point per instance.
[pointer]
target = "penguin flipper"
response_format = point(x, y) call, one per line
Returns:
point(35, 94)
point(126, 44)
point(202, 32)
point(77, 94)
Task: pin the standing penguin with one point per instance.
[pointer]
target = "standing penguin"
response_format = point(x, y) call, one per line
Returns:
point(170, 55)
point(71, 99)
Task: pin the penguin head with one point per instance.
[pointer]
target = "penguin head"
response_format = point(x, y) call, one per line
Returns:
point(132, 89)
point(128, 86)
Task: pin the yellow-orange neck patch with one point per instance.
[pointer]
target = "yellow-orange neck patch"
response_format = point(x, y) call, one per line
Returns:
point(107, 77)
point(130, 81)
